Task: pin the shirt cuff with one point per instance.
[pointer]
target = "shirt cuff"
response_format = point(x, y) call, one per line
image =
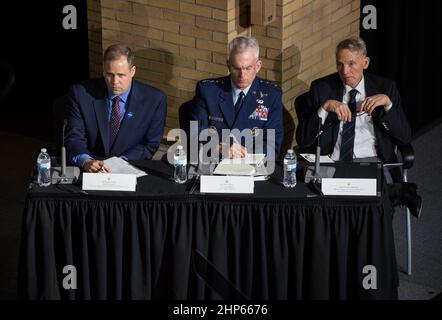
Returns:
point(322, 114)
point(387, 108)
point(80, 159)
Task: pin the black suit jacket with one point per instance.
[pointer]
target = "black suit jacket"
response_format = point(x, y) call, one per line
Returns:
point(141, 129)
point(391, 128)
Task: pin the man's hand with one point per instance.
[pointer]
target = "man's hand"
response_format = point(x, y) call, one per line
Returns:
point(237, 151)
point(234, 150)
point(95, 166)
point(378, 100)
point(341, 109)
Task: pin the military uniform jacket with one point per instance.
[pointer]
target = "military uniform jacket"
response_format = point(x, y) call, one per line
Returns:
point(262, 109)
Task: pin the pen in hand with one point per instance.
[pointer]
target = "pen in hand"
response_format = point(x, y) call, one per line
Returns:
point(102, 169)
point(234, 139)
point(243, 150)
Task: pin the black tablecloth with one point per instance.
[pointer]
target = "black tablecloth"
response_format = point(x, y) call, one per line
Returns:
point(162, 242)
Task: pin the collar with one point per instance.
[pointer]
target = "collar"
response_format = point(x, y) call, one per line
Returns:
point(236, 90)
point(360, 87)
point(123, 96)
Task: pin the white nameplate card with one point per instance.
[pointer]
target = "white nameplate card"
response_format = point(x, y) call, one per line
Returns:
point(109, 181)
point(348, 187)
point(227, 184)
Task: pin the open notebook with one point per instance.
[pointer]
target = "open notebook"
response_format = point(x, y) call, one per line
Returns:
point(247, 166)
point(250, 158)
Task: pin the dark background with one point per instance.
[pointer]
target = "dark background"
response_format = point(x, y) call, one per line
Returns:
point(47, 59)
point(406, 47)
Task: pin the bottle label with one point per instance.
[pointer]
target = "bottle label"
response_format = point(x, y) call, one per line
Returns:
point(44, 166)
point(291, 167)
point(181, 163)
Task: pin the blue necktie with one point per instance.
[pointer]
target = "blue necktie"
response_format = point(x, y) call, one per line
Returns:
point(239, 102)
point(348, 131)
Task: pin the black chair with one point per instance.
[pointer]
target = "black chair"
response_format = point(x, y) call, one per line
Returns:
point(302, 107)
point(404, 152)
point(406, 155)
point(185, 116)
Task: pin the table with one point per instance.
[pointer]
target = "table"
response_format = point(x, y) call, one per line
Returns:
point(161, 242)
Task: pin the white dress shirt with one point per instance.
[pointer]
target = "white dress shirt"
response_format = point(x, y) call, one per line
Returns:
point(236, 91)
point(365, 140)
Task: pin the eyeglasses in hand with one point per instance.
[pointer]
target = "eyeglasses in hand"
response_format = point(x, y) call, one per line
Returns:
point(360, 113)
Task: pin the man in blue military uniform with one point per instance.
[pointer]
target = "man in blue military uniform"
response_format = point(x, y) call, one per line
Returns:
point(241, 101)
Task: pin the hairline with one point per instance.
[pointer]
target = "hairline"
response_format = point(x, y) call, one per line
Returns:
point(242, 44)
point(115, 52)
point(355, 44)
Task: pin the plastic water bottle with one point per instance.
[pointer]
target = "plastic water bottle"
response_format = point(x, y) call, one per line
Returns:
point(180, 164)
point(290, 163)
point(44, 168)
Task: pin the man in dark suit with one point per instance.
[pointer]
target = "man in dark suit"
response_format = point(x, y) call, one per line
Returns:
point(114, 115)
point(241, 101)
point(361, 113)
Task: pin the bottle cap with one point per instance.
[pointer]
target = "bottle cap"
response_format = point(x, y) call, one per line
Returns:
point(43, 150)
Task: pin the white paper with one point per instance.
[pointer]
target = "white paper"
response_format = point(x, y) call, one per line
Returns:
point(119, 165)
point(227, 184)
point(239, 169)
point(109, 181)
point(260, 178)
point(250, 165)
point(348, 187)
point(310, 157)
point(261, 173)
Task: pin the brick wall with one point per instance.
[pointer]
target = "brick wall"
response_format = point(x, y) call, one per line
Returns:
point(177, 43)
point(311, 30)
point(95, 34)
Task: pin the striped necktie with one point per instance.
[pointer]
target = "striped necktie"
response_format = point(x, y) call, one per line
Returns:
point(114, 123)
